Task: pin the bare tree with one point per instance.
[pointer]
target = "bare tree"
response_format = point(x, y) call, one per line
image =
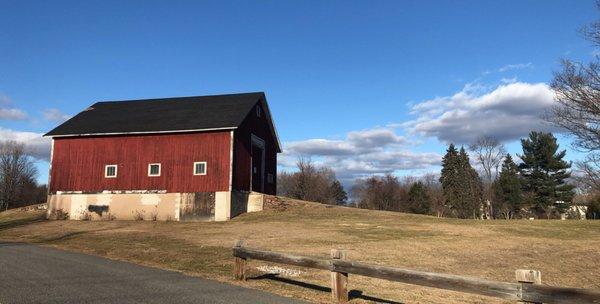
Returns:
point(311, 183)
point(380, 193)
point(17, 173)
point(587, 174)
point(432, 182)
point(488, 154)
point(577, 89)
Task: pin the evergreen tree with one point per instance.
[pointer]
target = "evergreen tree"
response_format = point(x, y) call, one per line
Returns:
point(338, 193)
point(544, 173)
point(507, 189)
point(418, 199)
point(450, 178)
point(472, 188)
point(461, 185)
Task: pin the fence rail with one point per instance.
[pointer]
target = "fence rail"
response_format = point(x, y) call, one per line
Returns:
point(527, 288)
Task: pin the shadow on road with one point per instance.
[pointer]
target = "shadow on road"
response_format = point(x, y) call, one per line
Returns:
point(352, 294)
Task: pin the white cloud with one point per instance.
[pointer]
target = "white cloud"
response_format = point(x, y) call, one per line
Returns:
point(508, 112)
point(365, 152)
point(4, 100)
point(356, 142)
point(35, 144)
point(516, 66)
point(12, 114)
point(55, 115)
point(8, 113)
point(505, 80)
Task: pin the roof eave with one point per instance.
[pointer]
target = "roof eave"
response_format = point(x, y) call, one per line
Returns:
point(138, 132)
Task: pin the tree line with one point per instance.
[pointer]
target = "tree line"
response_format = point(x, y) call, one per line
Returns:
point(18, 186)
point(535, 187)
point(538, 186)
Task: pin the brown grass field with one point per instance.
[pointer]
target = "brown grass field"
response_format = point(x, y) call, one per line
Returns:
point(566, 252)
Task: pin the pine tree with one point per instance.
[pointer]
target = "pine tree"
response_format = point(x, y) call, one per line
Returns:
point(338, 193)
point(472, 188)
point(418, 199)
point(544, 173)
point(450, 177)
point(507, 189)
point(461, 185)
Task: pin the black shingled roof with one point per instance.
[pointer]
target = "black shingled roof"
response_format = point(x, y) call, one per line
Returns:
point(162, 115)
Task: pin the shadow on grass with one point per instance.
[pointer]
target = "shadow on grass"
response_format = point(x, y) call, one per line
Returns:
point(62, 236)
point(68, 235)
point(352, 294)
point(22, 222)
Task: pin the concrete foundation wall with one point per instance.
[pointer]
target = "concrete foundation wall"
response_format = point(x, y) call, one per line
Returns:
point(147, 206)
point(256, 202)
point(222, 206)
point(218, 206)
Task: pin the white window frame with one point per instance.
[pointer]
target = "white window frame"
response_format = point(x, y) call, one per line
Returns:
point(205, 168)
point(106, 171)
point(150, 166)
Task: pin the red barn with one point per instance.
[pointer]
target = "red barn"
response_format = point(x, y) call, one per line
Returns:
point(169, 158)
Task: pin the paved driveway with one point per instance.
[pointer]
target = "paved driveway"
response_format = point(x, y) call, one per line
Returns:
point(34, 274)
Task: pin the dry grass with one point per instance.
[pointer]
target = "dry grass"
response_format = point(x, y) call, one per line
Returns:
point(565, 251)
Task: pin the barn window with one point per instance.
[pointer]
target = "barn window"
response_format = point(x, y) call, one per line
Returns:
point(110, 171)
point(270, 178)
point(200, 168)
point(258, 111)
point(154, 170)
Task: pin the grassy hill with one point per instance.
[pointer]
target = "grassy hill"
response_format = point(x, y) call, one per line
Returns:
point(566, 252)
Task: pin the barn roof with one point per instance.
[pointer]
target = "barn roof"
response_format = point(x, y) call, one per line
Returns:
point(164, 115)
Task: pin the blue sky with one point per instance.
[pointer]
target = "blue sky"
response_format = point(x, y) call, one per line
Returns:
point(364, 86)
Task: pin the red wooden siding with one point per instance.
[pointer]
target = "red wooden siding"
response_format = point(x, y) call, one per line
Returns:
point(242, 159)
point(78, 163)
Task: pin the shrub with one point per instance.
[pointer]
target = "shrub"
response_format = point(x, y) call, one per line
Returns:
point(139, 215)
point(593, 210)
point(58, 214)
point(85, 216)
point(108, 216)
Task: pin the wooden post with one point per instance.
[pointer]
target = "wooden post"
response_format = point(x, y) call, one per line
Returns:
point(339, 280)
point(239, 264)
point(525, 276)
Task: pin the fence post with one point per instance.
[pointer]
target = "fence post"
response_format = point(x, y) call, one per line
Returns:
point(526, 276)
point(339, 280)
point(239, 264)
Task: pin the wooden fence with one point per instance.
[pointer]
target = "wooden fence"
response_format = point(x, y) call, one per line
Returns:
point(527, 287)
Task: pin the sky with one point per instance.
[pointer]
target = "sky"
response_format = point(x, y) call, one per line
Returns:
point(366, 87)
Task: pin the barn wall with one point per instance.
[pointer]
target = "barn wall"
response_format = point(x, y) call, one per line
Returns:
point(242, 159)
point(78, 163)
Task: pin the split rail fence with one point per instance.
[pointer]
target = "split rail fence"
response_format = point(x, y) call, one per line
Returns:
point(527, 288)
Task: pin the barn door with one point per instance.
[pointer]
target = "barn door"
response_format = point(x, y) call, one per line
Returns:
point(258, 164)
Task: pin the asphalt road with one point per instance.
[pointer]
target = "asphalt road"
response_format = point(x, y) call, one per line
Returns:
point(34, 274)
